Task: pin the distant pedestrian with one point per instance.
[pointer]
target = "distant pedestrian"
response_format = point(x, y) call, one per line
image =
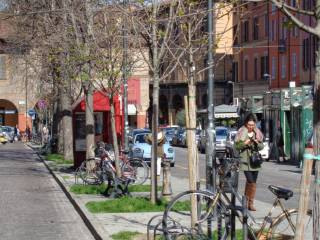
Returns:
point(45, 134)
point(15, 133)
point(280, 145)
point(28, 134)
point(249, 140)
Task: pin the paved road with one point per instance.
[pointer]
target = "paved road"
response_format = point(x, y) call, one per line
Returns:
point(272, 173)
point(32, 205)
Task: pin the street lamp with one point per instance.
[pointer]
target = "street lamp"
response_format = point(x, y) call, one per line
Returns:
point(267, 77)
point(230, 82)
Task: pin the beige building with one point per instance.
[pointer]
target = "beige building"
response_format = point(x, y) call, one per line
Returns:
point(173, 89)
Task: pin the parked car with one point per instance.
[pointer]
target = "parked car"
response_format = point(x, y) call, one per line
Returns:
point(179, 136)
point(169, 132)
point(133, 132)
point(141, 149)
point(221, 139)
point(8, 132)
point(3, 138)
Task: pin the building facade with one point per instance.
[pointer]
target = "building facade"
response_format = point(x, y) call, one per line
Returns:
point(269, 50)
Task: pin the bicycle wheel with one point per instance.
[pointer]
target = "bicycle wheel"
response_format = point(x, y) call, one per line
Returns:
point(177, 218)
point(90, 172)
point(284, 228)
point(137, 170)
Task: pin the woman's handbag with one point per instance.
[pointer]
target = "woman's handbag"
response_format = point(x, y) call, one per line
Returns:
point(256, 159)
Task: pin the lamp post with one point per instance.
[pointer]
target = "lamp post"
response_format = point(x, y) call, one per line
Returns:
point(267, 77)
point(232, 83)
point(125, 82)
point(210, 138)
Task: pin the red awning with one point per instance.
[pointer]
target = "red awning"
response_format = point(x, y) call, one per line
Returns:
point(101, 102)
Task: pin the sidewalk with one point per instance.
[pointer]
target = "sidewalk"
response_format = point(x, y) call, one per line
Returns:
point(106, 224)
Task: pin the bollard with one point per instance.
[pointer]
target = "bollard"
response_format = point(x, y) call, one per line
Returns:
point(166, 185)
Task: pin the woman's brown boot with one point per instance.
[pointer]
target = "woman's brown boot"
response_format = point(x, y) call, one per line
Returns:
point(252, 187)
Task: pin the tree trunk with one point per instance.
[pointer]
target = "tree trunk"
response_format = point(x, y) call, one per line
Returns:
point(114, 138)
point(316, 144)
point(66, 110)
point(155, 104)
point(88, 89)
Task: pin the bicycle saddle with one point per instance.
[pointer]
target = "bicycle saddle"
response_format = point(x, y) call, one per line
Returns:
point(281, 192)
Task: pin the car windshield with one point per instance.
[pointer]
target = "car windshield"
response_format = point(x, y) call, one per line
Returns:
point(140, 138)
point(6, 129)
point(221, 132)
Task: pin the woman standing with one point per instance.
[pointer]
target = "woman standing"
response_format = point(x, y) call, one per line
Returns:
point(249, 139)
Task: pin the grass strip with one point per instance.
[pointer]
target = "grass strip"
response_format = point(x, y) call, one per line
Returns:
point(99, 189)
point(125, 235)
point(131, 204)
point(58, 159)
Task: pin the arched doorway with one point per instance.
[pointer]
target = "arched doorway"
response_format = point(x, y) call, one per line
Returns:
point(178, 106)
point(163, 109)
point(8, 113)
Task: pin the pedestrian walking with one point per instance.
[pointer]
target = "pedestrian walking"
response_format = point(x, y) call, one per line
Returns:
point(248, 141)
point(28, 134)
point(15, 133)
point(45, 134)
point(280, 145)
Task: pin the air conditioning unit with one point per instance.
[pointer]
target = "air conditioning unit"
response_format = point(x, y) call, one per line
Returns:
point(236, 101)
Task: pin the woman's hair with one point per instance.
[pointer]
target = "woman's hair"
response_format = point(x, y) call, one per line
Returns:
point(250, 117)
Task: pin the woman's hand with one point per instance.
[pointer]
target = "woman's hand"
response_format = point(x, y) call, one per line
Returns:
point(248, 141)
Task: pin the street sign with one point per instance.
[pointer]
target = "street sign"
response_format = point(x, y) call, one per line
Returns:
point(31, 112)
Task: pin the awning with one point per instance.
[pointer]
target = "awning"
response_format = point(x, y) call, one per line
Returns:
point(132, 110)
point(226, 115)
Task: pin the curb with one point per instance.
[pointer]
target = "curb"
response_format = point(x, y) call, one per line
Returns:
point(83, 216)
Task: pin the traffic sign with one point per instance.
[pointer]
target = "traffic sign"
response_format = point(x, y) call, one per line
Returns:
point(31, 112)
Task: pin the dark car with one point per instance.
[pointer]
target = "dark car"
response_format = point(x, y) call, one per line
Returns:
point(177, 139)
point(169, 133)
point(221, 140)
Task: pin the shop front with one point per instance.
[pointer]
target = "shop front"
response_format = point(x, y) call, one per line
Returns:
point(102, 123)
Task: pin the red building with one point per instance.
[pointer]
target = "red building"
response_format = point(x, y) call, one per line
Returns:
point(269, 50)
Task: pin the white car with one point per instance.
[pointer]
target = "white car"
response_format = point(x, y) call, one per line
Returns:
point(265, 151)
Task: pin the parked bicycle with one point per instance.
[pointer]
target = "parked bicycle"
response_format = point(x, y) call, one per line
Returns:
point(102, 168)
point(179, 222)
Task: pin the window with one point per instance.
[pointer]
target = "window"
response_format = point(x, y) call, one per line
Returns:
point(306, 53)
point(255, 68)
point(255, 28)
point(273, 31)
point(264, 66)
point(266, 25)
point(3, 67)
point(293, 3)
point(283, 66)
point(295, 32)
point(273, 68)
point(294, 64)
point(235, 71)
point(314, 51)
point(235, 35)
point(283, 29)
point(246, 31)
point(273, 9)
point(246, 70)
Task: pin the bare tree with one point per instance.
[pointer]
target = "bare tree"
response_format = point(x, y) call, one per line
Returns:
point(153, 24)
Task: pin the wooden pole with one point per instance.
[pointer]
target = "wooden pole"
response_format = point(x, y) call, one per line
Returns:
point(304, 195)
point(191, 162)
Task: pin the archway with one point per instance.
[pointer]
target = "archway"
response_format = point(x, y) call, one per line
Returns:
point(178, 107)
point(163, 109)
point(8, 113)
point(204, 101)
